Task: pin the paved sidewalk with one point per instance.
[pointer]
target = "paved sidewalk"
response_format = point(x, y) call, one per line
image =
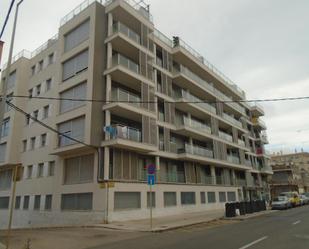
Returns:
point(250, 216)
point(166, 223)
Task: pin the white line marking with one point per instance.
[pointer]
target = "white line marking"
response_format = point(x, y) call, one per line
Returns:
point(254, 242)
point(296, 222)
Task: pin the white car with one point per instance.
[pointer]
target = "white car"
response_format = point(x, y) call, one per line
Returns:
point(281, 202)
point(304, 200)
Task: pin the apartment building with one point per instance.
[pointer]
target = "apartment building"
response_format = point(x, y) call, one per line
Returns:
point(155, 101)
point(291, 173)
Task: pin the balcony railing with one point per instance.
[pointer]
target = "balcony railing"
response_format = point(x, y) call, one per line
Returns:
point(126, 132)
point(122, 95)
point(119, 27)
point(225, 136)
point(233, 159)
point(209, 180)
point(241, 143)
point(22, 54)
point(248, 163)
point(44, 46)
point(172, 178)
point(119, 59)
point(230, 102)
point(220, 180)
point(241, 182)
point(197, 150)
point(232, 120)
point(183, 120)
point(163, 38)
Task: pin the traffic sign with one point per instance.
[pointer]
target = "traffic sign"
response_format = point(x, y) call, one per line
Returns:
point(151, 168)
point(151, 180)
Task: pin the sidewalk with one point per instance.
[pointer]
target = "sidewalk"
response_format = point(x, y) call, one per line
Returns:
point(250, 216)
point(166, 223)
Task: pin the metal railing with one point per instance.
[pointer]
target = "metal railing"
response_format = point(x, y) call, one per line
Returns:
point(119, 27)
point(163, 38)
point(126, 132)
point(127, 97)
point(225, 136)
point(119, 59)
point(22, 54)
point(44, 46)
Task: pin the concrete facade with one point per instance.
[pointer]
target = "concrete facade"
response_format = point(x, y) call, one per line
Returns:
point(151, 100)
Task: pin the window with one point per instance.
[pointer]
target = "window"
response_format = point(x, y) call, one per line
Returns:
point(4, 202)
point(76, 201)
point(73, 128)
point(38, 90)
point(32, 143)
point(211, 196)
point(127, 200)
point(222, 196)
point(77, 92)
point(76, 36)
point(75, 65)
point(153, 200)
point(48, 84)
point(17, 202)
point(203, 198)
point(36, 114)
point(51, 59)
point(170, 199)
point(45, 111)
point(26, 202)
point(48, 202)
point(29, 171)
point(51, 168)
point(11, 81)
point(5, 128)
point(41, 62)
point(9, 98)
point(30, 93)
point(33, 70)
point(79, 170)
point(41, 170)
point(43, 140)
point(5, 179)
point(231, 196)
point(2, 152)
point(37, 202)
point(24, 145)
point(187, 198)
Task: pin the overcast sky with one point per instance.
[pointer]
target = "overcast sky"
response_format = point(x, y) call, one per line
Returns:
point(262, 45)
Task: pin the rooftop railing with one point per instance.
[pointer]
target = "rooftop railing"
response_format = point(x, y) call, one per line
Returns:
point(44, 46)
point(22, 54)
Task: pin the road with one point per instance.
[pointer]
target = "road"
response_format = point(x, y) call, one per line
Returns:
point(287, 229)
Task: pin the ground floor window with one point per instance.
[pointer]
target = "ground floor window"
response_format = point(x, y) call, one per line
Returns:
point(127, 200)
point(187, 198)
point(4, 202)
point(153, 200)
point(80, 201)
point(170, 199)
point(222, 196)
point(203, 198)
point(231, 196)
point(211, 196)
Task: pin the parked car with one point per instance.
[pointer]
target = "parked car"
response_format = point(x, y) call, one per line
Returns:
point(304, 199)
point(293, 198)
point(281, 202)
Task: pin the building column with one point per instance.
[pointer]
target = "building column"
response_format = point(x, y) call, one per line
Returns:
point(109, 55)
point(110, 24)
point(106, 163)
point(213, 174)
point(233, 177)
point(108, 88)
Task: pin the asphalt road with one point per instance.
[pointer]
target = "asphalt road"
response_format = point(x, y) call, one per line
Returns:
point(287, 229)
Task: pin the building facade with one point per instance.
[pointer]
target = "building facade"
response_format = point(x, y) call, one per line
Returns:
point(150, 100)
point(291, 173)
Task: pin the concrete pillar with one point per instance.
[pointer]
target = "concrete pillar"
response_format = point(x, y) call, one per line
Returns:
point(158, 163)
point(108, 88)
point(106, 163)
point(110, 24)
point(233, 177)
point(213, 174)
point(109, 55)
point(107, 123)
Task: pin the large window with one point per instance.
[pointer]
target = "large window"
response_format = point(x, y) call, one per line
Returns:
point(127, 200)
point(231, 196)
point(170, 199)
point(77, 92)
point(75, 65)
point(187, 198)
point(37, 202)
point(211, 196)
point(5, 127)
point(74, 128)
point(2, 152)
point(11, 80)
point(79, 170)
point(48, 202)
point(76, 202)
point(26, 202)
point(5, 179)
point(222, 196)
point(76, 36)
point(4, 202)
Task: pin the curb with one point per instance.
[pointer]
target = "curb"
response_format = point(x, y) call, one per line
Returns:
point(250, 216)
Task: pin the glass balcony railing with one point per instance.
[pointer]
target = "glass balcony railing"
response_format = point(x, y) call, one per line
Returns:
point(241, 143)
point(233, 159)
point(119, 59)
point(126, 132)
point(197, 150)
point(232, 120)
point(209, 180)
point(122, 95)
point(241, 182)
point(225, 136)
point(183, 120)
point(229, 102)
point(119, 27)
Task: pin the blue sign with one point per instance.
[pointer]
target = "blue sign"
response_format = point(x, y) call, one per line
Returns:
point(151, 168)
point(151, 180)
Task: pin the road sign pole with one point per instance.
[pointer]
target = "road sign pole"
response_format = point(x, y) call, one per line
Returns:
point(150, 186)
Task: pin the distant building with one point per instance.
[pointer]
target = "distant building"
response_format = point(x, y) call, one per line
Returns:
point(291, 173)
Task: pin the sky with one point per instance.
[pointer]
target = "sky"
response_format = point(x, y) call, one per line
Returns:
point(261, 45)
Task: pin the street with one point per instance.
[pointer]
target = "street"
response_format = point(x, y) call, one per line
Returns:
point(280, 230)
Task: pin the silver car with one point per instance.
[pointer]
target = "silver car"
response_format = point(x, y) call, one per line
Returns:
point(281, 202)
point(304, 199)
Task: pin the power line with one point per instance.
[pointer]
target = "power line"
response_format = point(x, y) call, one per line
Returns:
point(47, 126)
point(7, 17)
point(155, 102)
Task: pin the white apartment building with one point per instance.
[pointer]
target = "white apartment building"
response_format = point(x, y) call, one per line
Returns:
point(156, 101)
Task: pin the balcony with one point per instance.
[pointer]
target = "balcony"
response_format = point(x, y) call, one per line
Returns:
point(128, 133)
point(257, 109)
point(121, 60)
point(225, 136)
point(233, 159)
point(241, 182)
point(208, 180)
point(241, 143)
point(258, 122)
point(122, 95)
point(123, 29)
point(191, 123)
point(230, 102)
point(232, 120)
point(197, 150)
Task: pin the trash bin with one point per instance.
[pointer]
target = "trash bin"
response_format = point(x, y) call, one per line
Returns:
point(230, 210)
point(249, 208)
point(242, 208)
